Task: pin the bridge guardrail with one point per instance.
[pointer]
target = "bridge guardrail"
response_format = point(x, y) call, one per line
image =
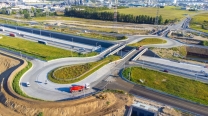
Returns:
point(139, 55)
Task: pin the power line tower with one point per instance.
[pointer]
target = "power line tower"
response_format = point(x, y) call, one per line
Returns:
point(115, 16)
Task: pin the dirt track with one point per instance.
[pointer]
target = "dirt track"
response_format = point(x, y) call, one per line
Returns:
point(113, 104)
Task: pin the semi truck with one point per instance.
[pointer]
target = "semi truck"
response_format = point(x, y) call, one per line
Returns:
point(78, 88)
point(12, 35)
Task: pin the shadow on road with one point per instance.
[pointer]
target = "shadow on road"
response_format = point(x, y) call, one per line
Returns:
point(38, 82)
point(63, 89)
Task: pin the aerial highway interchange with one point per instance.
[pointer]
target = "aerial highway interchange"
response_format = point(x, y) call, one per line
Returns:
point(37, 75)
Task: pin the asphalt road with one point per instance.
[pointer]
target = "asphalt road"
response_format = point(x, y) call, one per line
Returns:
point(37, 75)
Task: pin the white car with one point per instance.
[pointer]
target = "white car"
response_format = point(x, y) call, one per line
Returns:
point(28, 84)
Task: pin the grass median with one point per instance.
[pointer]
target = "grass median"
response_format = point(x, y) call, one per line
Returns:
point(171, 84)
point(75, 73)
point(35, 49)
point(147, 41)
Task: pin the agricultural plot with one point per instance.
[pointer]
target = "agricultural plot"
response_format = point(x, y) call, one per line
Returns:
point(169, 12)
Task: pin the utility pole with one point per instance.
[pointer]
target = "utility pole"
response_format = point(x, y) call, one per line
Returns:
point(115, 16)
point(157, 17)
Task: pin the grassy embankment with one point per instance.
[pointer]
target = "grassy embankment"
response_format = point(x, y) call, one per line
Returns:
point(148, 41)
point(169, 12)
point(37, 50)
point(200, 22)
point(175, 85)
point(76, 73)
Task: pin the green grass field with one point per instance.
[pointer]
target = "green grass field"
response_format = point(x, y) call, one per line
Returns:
point(148, 41)
point(175, 85)
point(169, 12)
point(199, 20)
point(38, 50)
point(70, 74)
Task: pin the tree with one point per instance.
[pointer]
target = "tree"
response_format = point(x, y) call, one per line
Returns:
point(27, 15)
point(166, 21)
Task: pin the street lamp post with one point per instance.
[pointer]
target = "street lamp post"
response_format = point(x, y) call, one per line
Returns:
point(20, 54)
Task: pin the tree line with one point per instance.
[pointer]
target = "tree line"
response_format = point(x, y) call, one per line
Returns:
point(109, 16)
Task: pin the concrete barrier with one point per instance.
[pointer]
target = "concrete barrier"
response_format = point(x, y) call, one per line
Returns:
point(140, 54)
point(116, 50)
point(127, 54)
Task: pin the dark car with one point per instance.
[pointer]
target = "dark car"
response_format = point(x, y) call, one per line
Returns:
point(22, 35)
point(165, 71)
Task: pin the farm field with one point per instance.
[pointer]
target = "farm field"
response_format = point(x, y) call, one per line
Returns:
point(175, 85)
point(200, 22)
point(72, 74)
point(169, 12)
point(38, 50)
point(148, 41)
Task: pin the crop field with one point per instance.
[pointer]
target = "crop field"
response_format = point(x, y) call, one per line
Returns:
point(72, 74)
point(148, 41)
point(200, 22)
point(169, 12)
point(175, 85)
point(38, 50)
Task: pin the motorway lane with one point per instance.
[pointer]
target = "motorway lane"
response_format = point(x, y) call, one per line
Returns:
point(189, 66)
point(158, 97)
point(51, 41)
point(62, 36)
point(170, 100)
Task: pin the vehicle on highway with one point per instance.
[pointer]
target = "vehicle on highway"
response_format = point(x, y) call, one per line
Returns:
point(21, 34)
point(28, 84)
point(78, 88)
point(12, 35)
point(42, 42)
point(165, 70)
point(1, 29)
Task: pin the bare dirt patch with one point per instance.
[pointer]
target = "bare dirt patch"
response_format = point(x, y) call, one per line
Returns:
point(6, 63)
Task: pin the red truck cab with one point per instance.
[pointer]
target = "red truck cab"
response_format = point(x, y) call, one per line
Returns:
point(78, 88)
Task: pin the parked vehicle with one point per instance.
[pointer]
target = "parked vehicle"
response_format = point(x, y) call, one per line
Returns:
point(79, 88)
point(12, 35)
